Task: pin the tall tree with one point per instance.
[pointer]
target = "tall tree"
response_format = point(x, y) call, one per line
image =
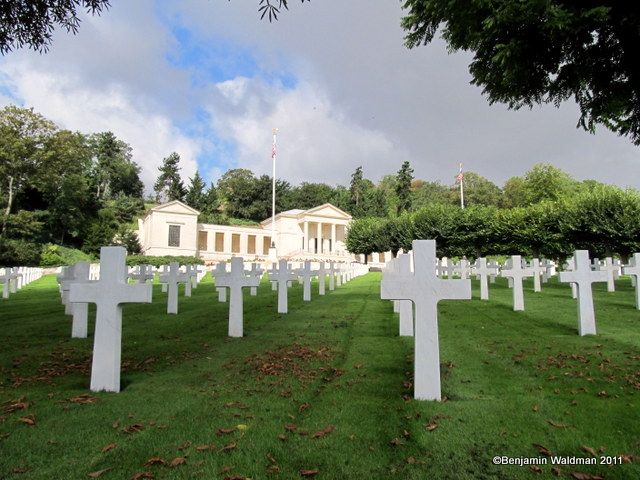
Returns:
point(532, 52)
point(169, 186)
point(403, 187)
point(546, 182)
point(514, 193)
point(23, 137)
point(195, 196)
point(32, 23)
point(357, 187)
point(479, 191)
point(114, 170)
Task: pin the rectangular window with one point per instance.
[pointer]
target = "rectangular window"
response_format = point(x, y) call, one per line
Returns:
point(174, 235)
point(219, 241)
point(202, 241)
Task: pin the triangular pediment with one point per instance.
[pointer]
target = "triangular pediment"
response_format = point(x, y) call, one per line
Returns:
point(175, 206)
point(327, 210)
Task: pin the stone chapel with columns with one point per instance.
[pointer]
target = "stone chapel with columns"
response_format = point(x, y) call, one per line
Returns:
point(315, 234)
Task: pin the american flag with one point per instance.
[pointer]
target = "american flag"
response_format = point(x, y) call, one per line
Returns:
point(460, 175)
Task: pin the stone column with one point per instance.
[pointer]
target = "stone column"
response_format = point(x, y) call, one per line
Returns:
point(319, 236)
point(305, 244)
point(227, 242)
point(333, 238)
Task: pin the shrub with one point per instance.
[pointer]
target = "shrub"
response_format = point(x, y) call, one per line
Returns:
point(14, 253)
point(56, 255)
point(158, 261)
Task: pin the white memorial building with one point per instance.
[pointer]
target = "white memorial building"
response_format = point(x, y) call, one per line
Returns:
point(315, 234)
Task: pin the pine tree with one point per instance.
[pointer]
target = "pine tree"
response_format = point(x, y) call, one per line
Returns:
point(356, 189)
point(403, 187)
point(169, 185)
point(195, 196)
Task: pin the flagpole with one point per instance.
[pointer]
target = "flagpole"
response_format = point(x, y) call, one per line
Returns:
point(273, 192)
point(461, 176)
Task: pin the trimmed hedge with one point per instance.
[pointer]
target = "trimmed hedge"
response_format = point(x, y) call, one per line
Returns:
point(158, 261)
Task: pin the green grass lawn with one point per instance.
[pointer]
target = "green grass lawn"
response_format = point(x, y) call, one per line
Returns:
point(326, 388)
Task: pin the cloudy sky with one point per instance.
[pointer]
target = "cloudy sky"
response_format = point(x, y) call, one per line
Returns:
point(209, 80)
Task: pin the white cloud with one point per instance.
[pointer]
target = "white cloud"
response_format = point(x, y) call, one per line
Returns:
point(317, 141)
point(76, 106)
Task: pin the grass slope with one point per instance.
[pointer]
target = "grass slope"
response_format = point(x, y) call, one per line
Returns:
point(325, 388)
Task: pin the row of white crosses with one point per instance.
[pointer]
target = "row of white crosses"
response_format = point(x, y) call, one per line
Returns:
point(13, 279)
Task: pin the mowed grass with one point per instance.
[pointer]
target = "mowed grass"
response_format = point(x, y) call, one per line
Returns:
point(326, 388)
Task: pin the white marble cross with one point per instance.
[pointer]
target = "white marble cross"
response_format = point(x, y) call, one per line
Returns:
point(218, 273)
point(611, 269)
point(235, 282)
point(582, 276)
point(569, 266)
point(338, 269)
point(80, 311)
point(450, 268)
point(548, 266)
point(332, 276)
point(13, 285)
point(322, 277)
point(282, 276)
point(633, 269)
point(405, 307)
point(305, 275)
point(425, 289)
point(6, 279)
point(482, 272)
point(143, 273)
point(172, 278)
point(496, 265)
point(463, 269)
point(109, 293)
point(67, 275)
point(537, 270)
point(256, 271)
point(192, 273)
point(515, 271)
point(161, 273)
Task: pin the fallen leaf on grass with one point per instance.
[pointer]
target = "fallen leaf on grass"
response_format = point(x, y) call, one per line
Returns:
point(225, 469)
point(309, 473)
point(140, 475)
point(626, 458)
point(236, 477)
point(136, 427)
point(21, 470)
point(96, 474)
point(275, 469)
point(589, 450)
point(396, 441)
point(15, 405)
point(184, 446)
point(83, 399)
point(202, 448)
point(411, 460)
point(155, 461)
point(303, 407)
point(282, 437)
point(542, 449)
point(557, 425)
point(228, 448)
point(431, 426)
point(115, 424)
point(322, 433)
point(225, 431)
point(270, 458)
point(535, 469)
point(106, 448)
point(556, 471)
point(535, 408)
point(28, 420)
point(178, 461)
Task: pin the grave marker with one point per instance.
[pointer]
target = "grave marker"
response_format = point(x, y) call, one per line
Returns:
point(235, 282)
point(109, 293)
point(583, 276)
point(425, 289)
point(517, 274)
point(633, 269)
point(482, 272)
